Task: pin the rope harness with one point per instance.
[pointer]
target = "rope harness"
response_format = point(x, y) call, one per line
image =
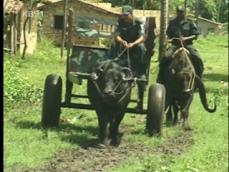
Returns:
point(94, 79)
point(193, 73)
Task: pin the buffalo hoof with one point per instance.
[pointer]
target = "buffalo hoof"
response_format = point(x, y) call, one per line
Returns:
point(104, 142)
point(187, 127)
point(152, 133)
point(139, 107)
point(115, 141)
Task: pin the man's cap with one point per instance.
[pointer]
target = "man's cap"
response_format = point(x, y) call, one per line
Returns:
point(126, 9)
point(180, 8)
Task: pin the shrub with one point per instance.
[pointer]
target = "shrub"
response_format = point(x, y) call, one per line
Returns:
point(17, 89)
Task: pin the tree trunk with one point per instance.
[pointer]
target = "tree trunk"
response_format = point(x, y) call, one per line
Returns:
point(24, 34)
point(163, 27)
point(197, 9)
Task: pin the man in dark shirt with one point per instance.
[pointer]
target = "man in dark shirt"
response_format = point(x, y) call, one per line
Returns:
point(186, 30)
point(130, 35)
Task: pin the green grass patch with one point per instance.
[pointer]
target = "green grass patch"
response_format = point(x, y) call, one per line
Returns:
point(26, 145)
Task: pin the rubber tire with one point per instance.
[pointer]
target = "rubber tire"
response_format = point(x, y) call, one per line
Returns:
point(156, 107)
point(51, 106)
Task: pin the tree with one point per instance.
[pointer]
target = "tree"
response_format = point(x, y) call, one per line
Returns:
point(163, 27)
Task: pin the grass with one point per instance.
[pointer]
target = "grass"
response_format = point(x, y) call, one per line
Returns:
point(26, 145)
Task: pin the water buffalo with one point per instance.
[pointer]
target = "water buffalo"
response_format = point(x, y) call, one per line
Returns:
point(181, 81)
point(109, 92)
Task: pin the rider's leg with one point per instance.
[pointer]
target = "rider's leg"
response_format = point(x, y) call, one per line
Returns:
point(164, 62)
point(196, 60)
point(138, 65)
point(113, 50)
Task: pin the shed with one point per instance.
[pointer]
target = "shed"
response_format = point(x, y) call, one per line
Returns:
point(86, 14)
point(205, 25)
point(87, 17)
point(15, 13)
point(12, 29)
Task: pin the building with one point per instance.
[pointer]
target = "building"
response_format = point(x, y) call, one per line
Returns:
point(12, 25)
point(91, 19)
point(15, 14)
point(205, 25)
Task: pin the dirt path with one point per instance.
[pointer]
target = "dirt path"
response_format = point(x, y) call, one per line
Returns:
point(92, 159)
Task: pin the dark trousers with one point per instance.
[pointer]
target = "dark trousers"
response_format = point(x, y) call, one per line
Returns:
point(137, 58)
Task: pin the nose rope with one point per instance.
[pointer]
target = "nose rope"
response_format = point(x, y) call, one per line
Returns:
point(113, 91)
point(193, 73)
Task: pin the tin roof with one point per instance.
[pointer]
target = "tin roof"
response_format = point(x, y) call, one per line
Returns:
point(12, 6)
point(204, 19)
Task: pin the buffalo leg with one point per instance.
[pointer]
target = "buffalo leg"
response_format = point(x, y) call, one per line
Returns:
point(168, 108)
point(169, 115)
point(185, 120)
point(141, 88)
point(103, 129)
point(114, 129)
point(175, 111)
point(185, 112)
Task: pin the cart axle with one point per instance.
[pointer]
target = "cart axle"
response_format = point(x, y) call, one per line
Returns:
point(90, 107)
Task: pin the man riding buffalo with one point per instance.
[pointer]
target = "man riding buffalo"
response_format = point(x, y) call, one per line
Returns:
point(186, 30)
point(129, 45)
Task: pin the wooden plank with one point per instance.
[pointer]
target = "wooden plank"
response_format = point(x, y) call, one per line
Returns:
point(15, 33)
point(12, 35)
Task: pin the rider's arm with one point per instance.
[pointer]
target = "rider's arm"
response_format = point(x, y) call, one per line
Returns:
point(119, 39)
point(142, 36)
point(140, 40)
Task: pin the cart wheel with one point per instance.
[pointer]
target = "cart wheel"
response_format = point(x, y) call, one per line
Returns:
point(51, 101)
point(156, 106)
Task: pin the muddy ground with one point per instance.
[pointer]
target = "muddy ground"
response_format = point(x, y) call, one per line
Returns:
point(92, 158)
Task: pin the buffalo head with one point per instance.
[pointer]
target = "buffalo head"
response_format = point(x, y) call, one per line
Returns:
point(113, 81)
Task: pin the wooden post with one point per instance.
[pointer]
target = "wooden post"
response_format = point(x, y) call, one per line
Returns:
point(69, 43)
point(12, 34)
point(64, 28)
point(69, 84)
point(24, 34)
point(15, 32)
point(163, 27)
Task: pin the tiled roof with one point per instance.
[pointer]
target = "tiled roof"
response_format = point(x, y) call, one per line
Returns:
point(12, 6)
point(103, 7)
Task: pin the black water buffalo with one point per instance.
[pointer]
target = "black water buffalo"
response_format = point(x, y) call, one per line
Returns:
point(109, 92)
point(180, 82)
